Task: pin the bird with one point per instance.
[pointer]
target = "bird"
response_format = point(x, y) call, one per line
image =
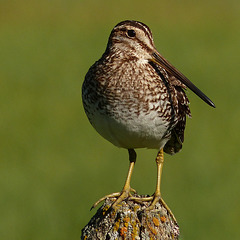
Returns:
point(135, 98)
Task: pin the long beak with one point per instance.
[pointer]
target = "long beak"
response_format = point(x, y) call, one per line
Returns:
point(161, 61)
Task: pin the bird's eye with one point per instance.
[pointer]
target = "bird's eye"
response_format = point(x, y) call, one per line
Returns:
point(131, 33)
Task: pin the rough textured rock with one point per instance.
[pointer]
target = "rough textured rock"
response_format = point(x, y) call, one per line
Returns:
point(131, 221)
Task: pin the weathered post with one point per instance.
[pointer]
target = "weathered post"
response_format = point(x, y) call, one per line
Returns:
point(130, 220)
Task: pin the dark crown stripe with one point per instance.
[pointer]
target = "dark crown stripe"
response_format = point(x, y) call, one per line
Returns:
point(139, 25)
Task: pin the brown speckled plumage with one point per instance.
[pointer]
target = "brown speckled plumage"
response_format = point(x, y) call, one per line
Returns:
point(119, 86)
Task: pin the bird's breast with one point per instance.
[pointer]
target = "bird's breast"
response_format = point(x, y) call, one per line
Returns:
point(128, 105)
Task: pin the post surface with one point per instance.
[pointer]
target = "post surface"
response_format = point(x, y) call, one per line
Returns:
point(130, 221)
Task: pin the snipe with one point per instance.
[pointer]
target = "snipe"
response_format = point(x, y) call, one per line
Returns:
point(135, 98)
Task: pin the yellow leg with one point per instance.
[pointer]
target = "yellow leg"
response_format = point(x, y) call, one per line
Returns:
point(126, 191)
point(156, 197)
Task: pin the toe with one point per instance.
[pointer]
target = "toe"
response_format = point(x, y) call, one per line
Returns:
point(113, 195)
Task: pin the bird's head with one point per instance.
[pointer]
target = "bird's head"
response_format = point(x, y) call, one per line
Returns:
point(134, 40)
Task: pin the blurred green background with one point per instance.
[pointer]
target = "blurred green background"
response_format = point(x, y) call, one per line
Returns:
point(53, 165)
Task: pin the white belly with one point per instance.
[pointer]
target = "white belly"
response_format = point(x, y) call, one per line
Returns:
point(143, 131)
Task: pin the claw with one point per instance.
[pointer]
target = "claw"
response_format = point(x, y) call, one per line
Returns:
point(133, 190)
point(155, 198)
point(113, 195)
point(125, 193)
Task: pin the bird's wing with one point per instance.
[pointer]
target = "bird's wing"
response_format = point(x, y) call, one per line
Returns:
point(174, 145)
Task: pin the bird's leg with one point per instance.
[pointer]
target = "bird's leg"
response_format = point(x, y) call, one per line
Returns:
point(156, 197)
point(126, 191)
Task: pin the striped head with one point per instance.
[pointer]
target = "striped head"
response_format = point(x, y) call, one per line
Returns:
point(132, 38)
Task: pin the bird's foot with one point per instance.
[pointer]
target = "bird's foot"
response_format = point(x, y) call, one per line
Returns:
point(125, 193)
point(155, 198)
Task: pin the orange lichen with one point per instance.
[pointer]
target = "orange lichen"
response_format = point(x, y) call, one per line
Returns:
point(156, 221)
point(153, 230)
point(123, 232)
point(105, 209)
point(163, 219)
point(135, 229)
point(136, 207)
point(116, 226)
point(126, 221)
point(113, 212)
